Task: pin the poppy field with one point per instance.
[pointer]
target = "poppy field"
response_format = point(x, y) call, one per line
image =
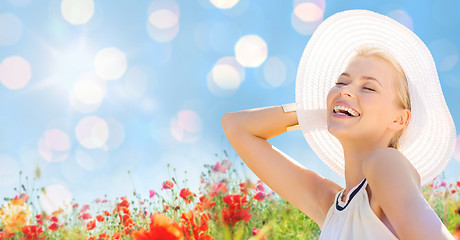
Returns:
point(225, 207)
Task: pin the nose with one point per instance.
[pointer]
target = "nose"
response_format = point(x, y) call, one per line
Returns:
point(345, 90)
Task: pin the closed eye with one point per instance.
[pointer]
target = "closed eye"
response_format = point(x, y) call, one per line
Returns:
point(370, 89)
point(340, 83)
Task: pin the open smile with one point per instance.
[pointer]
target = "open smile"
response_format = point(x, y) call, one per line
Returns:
point(342, 111)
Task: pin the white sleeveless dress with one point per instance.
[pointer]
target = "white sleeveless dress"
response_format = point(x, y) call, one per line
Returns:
point(354, 218)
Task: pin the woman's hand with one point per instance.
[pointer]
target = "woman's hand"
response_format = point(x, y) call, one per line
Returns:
point(248, 131)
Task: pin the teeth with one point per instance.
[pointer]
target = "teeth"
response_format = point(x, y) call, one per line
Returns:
point(349, 110)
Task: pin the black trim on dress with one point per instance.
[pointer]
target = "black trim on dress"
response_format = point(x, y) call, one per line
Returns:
point(340, 208)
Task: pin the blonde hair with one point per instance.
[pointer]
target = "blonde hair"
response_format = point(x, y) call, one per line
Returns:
point(402, 89)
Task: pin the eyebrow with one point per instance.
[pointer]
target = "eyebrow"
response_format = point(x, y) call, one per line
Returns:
point(362, 77)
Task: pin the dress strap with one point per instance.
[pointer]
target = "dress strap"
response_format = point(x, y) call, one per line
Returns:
point(353, 193)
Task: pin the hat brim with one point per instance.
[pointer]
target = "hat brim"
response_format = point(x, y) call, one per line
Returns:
point(429, 140)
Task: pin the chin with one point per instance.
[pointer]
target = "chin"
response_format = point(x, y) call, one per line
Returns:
point(340, 132)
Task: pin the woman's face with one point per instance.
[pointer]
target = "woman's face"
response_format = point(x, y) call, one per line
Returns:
point(366, 91)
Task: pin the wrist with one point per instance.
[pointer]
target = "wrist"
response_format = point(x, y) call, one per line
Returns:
point(290, 107)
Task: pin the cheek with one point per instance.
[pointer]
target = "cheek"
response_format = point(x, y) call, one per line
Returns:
point(376, 108)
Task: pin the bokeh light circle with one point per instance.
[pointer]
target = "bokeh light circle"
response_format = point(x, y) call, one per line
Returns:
point(225, 77)
point(55, 197)
point(320, 3)
point(402, 17)
point(251, 51)
point(186, 126)
point(308, 12)
point(110, 63)
point(307, 15)
point(92, 132)
point(9, 171)
point(15, 72)
point(57, 140)
point(163, 20)
point(77, 12)
point(445, 54)
point(54, 146)
point(11, 29)
point(88, 91)
point(224, 4)
point(275, 72)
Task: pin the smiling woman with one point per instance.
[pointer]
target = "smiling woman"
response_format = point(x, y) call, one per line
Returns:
point(358, 82)
point(358, 89)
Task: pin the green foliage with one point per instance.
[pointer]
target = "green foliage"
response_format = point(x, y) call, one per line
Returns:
point(268, 216)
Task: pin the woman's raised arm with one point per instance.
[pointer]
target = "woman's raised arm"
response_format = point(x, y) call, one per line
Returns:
point(248, 131)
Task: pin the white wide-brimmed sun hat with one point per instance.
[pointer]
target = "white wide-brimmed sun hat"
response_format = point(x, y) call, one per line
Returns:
point(429, 139)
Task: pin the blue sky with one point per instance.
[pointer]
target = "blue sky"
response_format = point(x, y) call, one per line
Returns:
point(92, 90)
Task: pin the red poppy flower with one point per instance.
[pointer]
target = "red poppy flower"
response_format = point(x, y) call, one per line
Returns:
point(84, 208)
point(124, 203)
point(104, 236)
point(235, 200)
point(192, 228)
point(6, 235)
point(218, 188)
point(151, 193)
point(85, 216)
point(53, 219)
point(53, 226)
point(32, 232)
point(260, 187)
point(458, 183)
point(187, 195)
point(161, 228)
point(167, 185)
point(222, 166)
point(204, 204)
point(39, 219)
point(116, 235)
point(91, 225)
point(234, 211)
point(23, 196)
point(100, 218)
point(259, 196)
point(231, 217)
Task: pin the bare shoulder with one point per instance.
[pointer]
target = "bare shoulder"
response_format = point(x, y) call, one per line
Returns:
point(390, 165)
point(395, 187)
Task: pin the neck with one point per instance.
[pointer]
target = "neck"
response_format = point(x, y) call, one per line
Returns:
point(355, 155)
